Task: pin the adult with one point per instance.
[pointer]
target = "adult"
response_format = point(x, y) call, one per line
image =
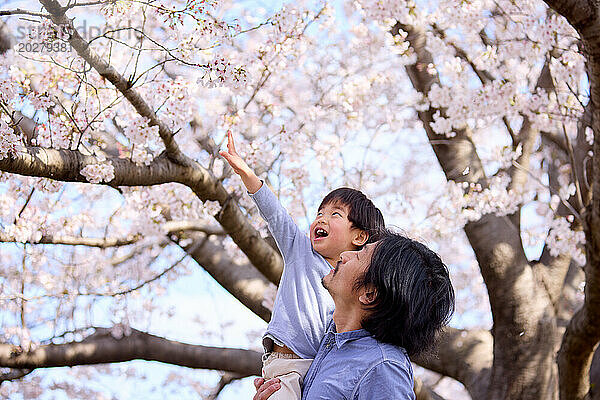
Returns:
point(391, 300)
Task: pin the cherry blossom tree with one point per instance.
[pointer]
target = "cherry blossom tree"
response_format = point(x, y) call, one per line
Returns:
point(472, 125)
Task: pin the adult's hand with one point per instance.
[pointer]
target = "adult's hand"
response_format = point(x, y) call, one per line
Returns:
point(264, 389)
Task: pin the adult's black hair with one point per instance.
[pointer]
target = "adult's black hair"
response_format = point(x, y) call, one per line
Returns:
point(362, 213)
point(414, 296)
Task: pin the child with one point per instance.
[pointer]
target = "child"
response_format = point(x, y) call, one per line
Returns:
point(346, 220)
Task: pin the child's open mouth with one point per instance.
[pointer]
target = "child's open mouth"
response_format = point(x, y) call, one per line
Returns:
point(320, 233)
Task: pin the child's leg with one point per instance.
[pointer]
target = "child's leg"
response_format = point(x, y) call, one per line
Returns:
point(290, 370)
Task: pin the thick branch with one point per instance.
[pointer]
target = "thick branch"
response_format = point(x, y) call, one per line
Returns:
point(64, 165)
point(424, 392)
point(569, 300)
point(595, 376)
point(583, 332)
point(519, 324)
point(528, 136)
point(242, 280)
point(102, 348)
point(465, 356)
point(175, 226)
point(578, 13)
point(14, 374)
point(496, 241)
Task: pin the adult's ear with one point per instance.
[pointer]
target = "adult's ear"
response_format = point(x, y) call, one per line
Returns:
point(360, 237)
point(368, 295)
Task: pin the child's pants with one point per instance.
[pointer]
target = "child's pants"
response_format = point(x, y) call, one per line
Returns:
point(290, 369)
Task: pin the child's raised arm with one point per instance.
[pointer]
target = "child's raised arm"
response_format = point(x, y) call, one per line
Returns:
point(240, 167)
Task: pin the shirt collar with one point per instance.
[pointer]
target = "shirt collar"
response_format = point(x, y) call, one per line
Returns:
point(342, 338)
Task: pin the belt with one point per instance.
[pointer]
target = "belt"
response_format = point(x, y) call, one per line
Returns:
point(282, 349)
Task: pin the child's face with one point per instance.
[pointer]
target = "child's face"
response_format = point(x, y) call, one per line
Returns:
point(331, 232)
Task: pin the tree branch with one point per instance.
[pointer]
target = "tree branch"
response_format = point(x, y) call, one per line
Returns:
point(226, 379)
point(496, 242)
point(465, 356)
point(242, 280)
point(102, 348)
point(58, 16)
point(424, 392)
point(75, 241)
point(199, 226)
point(14, 374)
point(20, 11)
point(583, 332)
point(578, 13)
point(103, 243)
point(595, 375)
point(64, 165)
point(569, 300)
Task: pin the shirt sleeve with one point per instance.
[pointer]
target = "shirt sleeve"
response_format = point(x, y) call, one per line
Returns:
point(280, 223)
point(386, 381)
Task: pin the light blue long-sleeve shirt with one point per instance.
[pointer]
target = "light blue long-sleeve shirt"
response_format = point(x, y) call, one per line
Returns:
point(354, 366)
point(302, 306)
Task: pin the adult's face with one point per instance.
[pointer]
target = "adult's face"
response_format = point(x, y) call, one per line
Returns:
point(351, 266)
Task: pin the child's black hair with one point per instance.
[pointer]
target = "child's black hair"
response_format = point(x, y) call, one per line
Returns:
point(362, 213)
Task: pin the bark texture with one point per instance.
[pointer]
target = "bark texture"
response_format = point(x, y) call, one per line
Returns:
point(523, 331)
point(583, 332)
point(102, 347)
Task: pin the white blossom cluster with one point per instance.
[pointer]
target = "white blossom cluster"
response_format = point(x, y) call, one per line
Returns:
point(589, 135)
point(100, 172)
point(22, 232)
point(55, 133)
point(117, 12)
point(175, 104)
point(487, 103)
point(289, 20)
point(562, 239)
point(40, 101)
point(8, 88)
point(220, 72)
point(47, 32)
point(10, 142)
point(466, 202)
point(388, 12)
point(141, 137)
point(148, 208)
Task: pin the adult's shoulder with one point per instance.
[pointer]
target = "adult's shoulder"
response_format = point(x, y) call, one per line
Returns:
point(375, 352)
point(392, 353)
point(389, 377)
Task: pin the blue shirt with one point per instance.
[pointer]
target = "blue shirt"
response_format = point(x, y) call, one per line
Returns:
point(302, 306)
point(354, 366)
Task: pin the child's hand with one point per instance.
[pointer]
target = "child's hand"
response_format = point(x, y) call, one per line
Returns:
point(233, 158)
point(239, 166)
